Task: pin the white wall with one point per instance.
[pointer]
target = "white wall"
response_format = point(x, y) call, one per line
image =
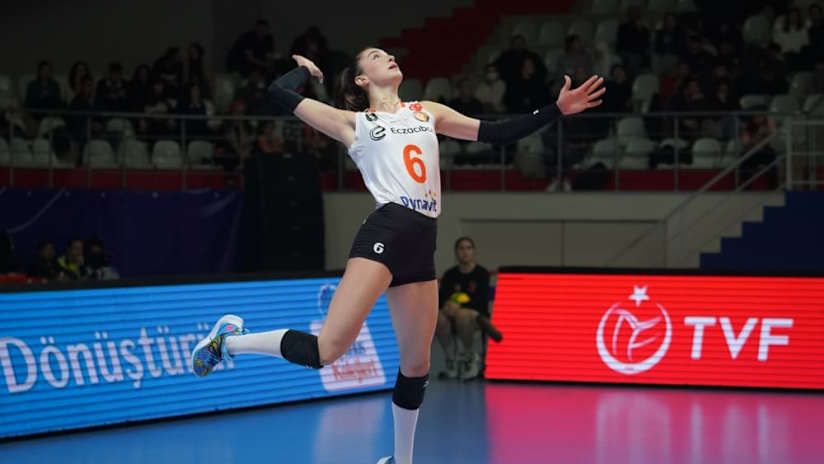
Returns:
point(580, 229)
point(100, 31)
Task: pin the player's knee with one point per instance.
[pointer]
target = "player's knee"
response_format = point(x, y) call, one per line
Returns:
point(301, 348)
point(409, 390)
point(415, 368)
point(465, 320)
point(444, 325)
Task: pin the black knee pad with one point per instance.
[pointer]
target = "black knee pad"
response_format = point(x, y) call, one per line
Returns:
point(409, 391)
point(300, 348)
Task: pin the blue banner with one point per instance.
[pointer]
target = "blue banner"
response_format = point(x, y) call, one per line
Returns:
point(80, 358)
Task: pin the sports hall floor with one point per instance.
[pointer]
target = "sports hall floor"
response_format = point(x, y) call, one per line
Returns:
point(473, 423)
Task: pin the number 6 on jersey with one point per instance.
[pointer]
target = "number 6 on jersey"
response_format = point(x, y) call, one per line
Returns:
point(413, 165)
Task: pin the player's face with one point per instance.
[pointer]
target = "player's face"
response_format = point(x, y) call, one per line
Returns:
point(378, 68)
point(465, 252)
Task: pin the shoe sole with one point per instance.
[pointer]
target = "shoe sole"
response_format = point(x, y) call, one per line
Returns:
point(227, 319)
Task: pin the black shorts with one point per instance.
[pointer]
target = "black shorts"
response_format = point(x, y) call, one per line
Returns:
point(401, 239)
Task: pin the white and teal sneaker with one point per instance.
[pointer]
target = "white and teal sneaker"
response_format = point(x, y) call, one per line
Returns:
point(386, 460)
point(210, 351)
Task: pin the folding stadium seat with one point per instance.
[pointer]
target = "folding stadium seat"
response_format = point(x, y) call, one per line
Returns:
point(731, 153)
point(604, 6)
point(5, 156)
point(23, 84)
point(65, 89)
point(630, 128)
point(550, 35)
point(42, 154)
point(749, 102)
point(48, 124)
point(607, 31)
point(201, 153)
point(551, 60)
point(475, 148)
point(166, 155)
point(757, 30)
point(438, 89)
point(494, 53)
point(784, 104)
point(583, 29)
point(800, 84)
point(7, 94)
point(134, 154)
point(529, 158)
point(411, 90)
point(448, 149)
point(604, 151)
point(706, 153)
point(672, 144)
point(224, 92)
point(661, 6)
point(636, 155)
point(644, 87)
point(99, 154)
point(814, 104)
point(528, 29)
point(121, 126)
point(20, 152)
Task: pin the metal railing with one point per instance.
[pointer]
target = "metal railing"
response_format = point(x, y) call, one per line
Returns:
point(617, 143)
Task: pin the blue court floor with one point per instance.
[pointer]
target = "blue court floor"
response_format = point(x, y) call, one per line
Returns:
point(473, 423)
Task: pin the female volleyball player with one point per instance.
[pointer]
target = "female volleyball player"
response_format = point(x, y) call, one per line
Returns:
point(395, 147)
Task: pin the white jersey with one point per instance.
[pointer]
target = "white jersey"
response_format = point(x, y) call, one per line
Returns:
point(397, 154)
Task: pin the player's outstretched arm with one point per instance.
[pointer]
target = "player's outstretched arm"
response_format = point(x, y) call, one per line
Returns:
point(454, 124)
point(336, 123)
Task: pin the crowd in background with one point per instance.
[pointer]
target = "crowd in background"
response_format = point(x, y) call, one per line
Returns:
point(78, 260)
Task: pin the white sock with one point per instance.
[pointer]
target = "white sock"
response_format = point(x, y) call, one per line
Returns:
point(405, 421)
point(267, 343)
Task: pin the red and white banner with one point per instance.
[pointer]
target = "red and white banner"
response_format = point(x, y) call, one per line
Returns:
point(660, 329)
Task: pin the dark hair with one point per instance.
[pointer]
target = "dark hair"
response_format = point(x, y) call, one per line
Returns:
point(463, 239)
point(137, 73)
point(75, 69)
point(348, 94)
point(569, 39)
point(41, 64)
point(115, 66)
point(262, 22)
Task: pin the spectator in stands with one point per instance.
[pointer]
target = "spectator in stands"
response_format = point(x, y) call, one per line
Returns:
point(195, 69)
point(527, 93)
point(696, 57)
point(669, 39)
point(254, 49)
point(44, 265)
point(632, 43)
point(77, 72)
point(97, 262)
point(194, 105)
point(729, 56)
point(671, 83)
point(689, 99)
point(111, 92)
point(510, 63)
point(575, 57)
point(72, 262)
point(82, 127)
point(43, 92)
point(313, 45)
point(464, 303)
point(268, 141)
point(490, 92)
point(169, 69)
point(254, 94)
point(754, 131)
point(792, 36)
point(722, 99)
point(466, 102)
point(158, 103)
point(618, 97)
point(239, 139)
point(140, 89)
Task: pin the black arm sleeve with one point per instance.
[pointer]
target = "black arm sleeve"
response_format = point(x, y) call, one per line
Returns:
point(283, 91)
point(506, 131)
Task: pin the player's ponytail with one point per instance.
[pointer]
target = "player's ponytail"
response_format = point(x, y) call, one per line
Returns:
point(348, 95)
